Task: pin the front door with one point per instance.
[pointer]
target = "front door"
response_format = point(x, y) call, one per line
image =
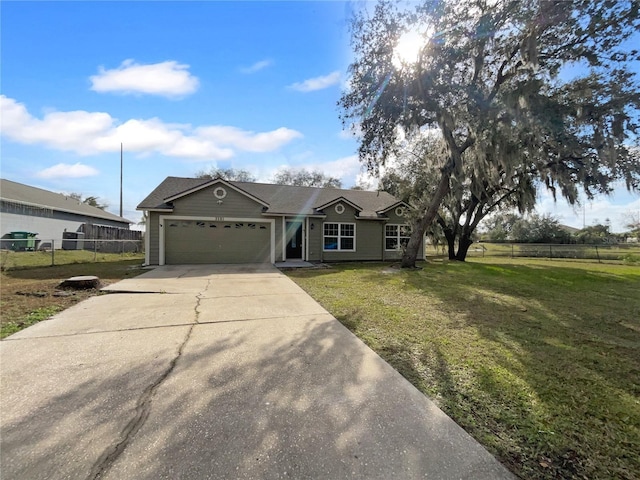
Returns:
point(294, 240)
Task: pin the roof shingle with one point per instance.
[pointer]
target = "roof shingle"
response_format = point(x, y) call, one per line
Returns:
point(25, 194)
point(282, 199)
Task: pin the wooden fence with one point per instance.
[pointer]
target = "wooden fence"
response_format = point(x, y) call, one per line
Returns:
point(96, 238)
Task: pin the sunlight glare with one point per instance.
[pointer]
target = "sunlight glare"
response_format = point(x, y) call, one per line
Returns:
point(408, 48)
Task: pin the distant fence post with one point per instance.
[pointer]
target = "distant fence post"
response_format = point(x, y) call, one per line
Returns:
point(598, 254)
point(550, 251)
point(95, 250)
point(512, 250)
point(53, 250)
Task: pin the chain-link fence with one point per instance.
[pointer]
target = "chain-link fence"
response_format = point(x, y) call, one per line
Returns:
point(31, 252)
point(618, 252)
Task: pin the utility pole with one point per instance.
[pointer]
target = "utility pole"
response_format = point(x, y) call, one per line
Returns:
point(121, 179)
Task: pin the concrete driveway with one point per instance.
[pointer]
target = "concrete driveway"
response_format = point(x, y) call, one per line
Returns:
point(221, 372)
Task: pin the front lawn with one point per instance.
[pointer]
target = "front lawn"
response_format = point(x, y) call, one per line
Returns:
point(536, 359)
point(29, 295)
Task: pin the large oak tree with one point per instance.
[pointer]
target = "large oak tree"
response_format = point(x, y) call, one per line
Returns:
point(541, 88)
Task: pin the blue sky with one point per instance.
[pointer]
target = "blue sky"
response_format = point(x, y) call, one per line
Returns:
point(184, 86)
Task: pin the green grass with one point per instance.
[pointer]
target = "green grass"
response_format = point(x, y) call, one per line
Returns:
point(31, 318)
point(538, 360)
point(10, 260)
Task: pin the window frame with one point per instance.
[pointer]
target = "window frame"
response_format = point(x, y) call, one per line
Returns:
point(339, 237)
point(398, 237)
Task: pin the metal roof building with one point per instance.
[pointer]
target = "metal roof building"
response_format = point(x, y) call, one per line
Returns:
point(49, 214)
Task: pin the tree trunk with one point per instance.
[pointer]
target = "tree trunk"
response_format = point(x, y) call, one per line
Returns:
point(410, 254)
point(463, 247)
point(451, 242)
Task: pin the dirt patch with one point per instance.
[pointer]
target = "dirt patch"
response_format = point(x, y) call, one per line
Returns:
point(31, 295)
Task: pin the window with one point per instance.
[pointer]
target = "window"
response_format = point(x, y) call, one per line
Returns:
point(339, 237)
point(396, 236)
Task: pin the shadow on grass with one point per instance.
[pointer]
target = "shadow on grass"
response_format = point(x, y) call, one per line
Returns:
point(572, 340)
point(541, 363)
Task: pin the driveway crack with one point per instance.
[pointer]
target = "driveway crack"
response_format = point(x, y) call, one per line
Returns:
point(143, 407)
point(199, 298)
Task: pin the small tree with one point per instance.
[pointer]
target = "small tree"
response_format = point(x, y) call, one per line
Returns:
point(595, 235)
point(92, 200)
point(305, 178)
point(632, 221)
point(538, 229)
point(229, 174)
point(498, 227)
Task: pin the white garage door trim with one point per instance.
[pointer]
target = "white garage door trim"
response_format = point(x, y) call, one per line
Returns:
point(161, 230)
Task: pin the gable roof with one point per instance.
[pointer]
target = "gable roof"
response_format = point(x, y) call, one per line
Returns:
point(399, 203)
point(26, 195)
point(337, 200)
point(281, 199)
point(215, 181)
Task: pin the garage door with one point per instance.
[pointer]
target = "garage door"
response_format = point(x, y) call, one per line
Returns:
point(194, 241)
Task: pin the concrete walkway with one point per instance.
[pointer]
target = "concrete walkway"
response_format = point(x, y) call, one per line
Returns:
point(223, 373)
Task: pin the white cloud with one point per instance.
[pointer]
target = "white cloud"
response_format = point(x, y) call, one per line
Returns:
point(89, 133)
point(317, 83)
point(247, 140)
point(168, 79)
point(67, 131)
point(596, 211)
point(64, 170)
point(345, 168)
point(256, 67)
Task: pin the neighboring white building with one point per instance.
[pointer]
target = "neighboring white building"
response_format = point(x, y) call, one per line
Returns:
point(28, 209)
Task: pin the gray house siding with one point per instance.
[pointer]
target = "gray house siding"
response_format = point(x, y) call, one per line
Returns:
point(348, 216)
point(154, 237)
point(368, 244)
point(315, 239)
point(279, 238)
point(367, 235)
point(192, 206)
point(204, 203)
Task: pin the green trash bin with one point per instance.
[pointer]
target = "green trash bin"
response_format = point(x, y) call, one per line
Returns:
point(25, 241)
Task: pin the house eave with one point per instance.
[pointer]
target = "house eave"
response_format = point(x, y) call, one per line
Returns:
point(147, 209)
point(301, 215)
point(395, 205)
point(210, 183)
point(340, 199)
